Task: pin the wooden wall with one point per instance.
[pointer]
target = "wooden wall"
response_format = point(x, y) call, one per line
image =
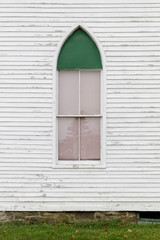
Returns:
point(129, 34)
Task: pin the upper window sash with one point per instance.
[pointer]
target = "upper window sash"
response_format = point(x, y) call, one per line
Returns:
point(79, 93)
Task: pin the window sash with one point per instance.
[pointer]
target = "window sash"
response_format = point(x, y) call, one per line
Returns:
point(94, 95)
point(80, 116)
point(72, 135)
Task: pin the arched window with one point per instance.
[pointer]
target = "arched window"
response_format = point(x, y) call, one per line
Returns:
point(79, 99)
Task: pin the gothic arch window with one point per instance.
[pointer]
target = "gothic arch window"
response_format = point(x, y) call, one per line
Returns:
point(79, 99)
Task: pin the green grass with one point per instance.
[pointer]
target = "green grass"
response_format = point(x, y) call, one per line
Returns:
point(79, 231)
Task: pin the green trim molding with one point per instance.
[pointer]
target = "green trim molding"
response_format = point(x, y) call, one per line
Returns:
point(79, 52)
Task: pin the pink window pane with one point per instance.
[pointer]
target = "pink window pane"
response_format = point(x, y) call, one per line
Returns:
point(89, 92)
point(68, 139)
point(68, 92)
point(90, 139)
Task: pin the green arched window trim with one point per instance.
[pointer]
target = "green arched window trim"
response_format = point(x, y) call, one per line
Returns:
point(79, 52)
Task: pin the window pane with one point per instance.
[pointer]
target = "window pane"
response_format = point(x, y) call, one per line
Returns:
point(68, 92)
point(90, 138)
point(68, 139)
point(89, 92)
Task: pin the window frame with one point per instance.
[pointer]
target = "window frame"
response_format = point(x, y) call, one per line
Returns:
point(83, 163)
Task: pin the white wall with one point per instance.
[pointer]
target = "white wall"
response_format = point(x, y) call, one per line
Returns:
point(129, 34)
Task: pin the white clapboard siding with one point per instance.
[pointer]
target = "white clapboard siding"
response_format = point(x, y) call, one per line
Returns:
point(129, 34)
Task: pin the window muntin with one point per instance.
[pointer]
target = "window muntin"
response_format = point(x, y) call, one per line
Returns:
point(79, 115)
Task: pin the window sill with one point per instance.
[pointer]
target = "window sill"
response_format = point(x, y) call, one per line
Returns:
point(79, 165)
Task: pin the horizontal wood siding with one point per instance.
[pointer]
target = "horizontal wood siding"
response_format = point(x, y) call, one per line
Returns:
point(129, 33)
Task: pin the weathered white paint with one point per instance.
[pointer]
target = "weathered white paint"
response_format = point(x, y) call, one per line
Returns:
point(31, 34)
